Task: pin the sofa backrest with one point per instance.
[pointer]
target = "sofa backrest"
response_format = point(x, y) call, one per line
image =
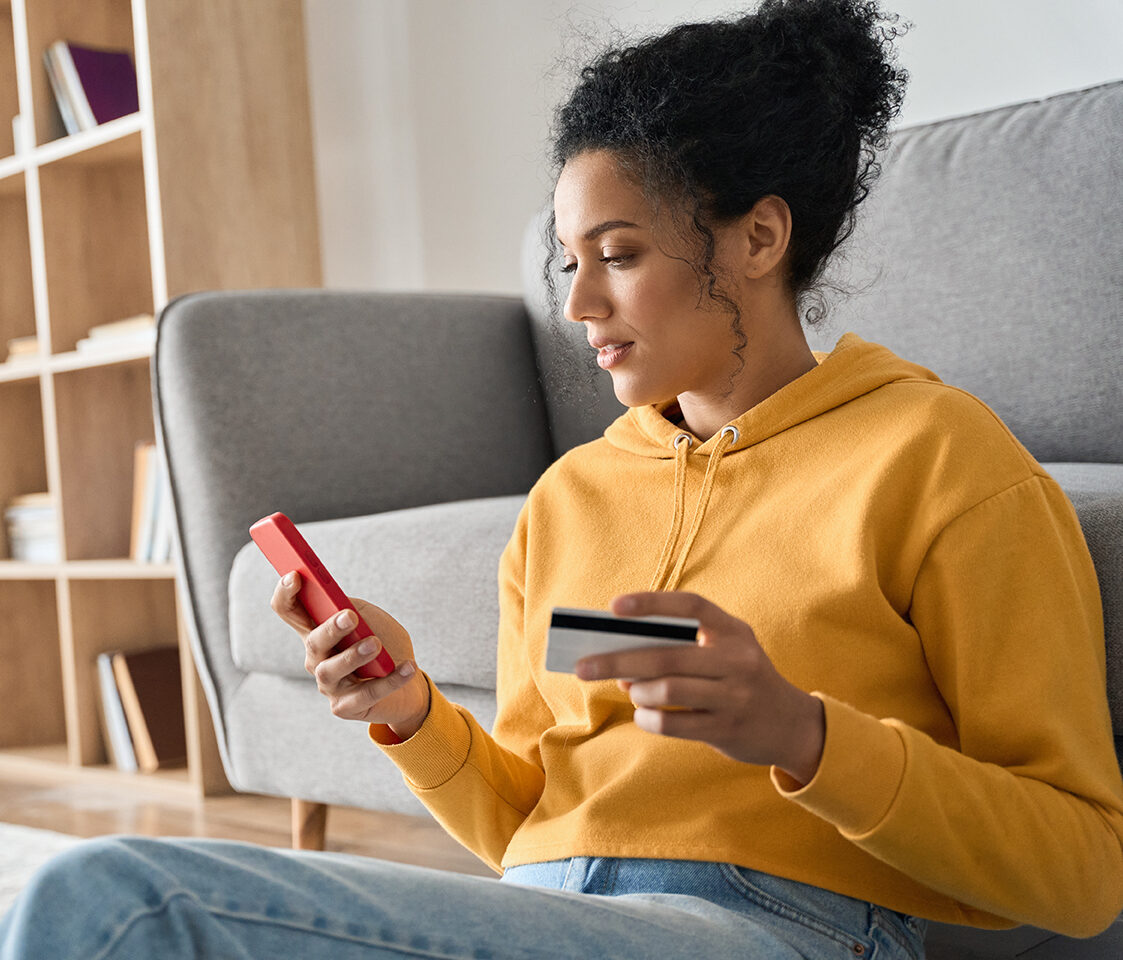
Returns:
point(990, 251)
point(991, 254)
point(326, 404)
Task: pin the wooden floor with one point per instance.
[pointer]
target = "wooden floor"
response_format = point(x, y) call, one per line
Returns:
point(90, 810)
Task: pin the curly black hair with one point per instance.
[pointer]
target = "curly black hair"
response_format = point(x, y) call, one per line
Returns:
point(793, 100)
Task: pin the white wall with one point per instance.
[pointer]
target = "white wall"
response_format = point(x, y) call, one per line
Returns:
point(431, 117)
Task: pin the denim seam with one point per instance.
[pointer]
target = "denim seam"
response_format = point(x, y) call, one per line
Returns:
point(764, 899)
point(883, 922)
point(127, 924)
point(610, 880)
point(403, 949)
point(568, 871)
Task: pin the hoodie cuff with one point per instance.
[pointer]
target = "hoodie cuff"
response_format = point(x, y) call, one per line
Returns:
point(859, 774)
point(437, 751)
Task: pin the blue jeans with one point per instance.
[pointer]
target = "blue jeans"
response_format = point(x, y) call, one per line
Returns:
point(135, 897)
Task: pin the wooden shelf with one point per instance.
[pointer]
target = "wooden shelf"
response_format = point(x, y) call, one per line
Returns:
point(14, 570)
point(73, 360)
point(208, 186)
point(124, 569)
point(102, 357)
point(118, 570)
point(21, 370)
point(50, 763)
point(116, 140)
point(113, 141)
point(11, 176)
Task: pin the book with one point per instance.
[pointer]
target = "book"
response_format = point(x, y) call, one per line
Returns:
point(150, 686)
point(32, 525)
point(23, 348)
point(132, 331)
point(153, 516)
point(146, 493)
point(118, 741)
point(163, 529)
point(59, 88)
point(142, 321)
point(138, 338)
point(91, 85)
point(141, 462)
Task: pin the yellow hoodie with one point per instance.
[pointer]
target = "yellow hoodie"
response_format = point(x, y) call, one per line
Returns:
point(898, 553)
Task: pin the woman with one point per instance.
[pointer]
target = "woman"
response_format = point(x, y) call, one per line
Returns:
point(895, 709)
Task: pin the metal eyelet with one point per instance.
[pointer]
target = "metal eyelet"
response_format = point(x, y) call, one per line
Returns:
point(729, 428)
point(684, 436)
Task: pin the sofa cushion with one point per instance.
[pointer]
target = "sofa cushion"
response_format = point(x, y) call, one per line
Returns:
point(285, 741)
point(1096, 491)
point(452, 550)
point(438, 563)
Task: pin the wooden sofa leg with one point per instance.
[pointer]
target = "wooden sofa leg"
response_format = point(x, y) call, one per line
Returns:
point(309, 824)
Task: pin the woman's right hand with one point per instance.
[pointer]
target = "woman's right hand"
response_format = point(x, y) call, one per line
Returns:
point(401, 700)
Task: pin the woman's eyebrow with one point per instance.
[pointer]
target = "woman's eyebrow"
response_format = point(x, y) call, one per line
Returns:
point(593, 232)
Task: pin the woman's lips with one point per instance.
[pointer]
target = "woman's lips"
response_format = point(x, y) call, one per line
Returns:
point(609, 357)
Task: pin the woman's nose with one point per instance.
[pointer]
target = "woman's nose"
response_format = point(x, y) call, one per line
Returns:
point(585, 301)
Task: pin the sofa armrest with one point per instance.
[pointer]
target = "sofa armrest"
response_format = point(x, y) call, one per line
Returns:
point(328, 404)
point(1096, 492)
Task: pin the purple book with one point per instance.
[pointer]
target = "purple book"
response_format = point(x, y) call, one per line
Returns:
point(108, 81)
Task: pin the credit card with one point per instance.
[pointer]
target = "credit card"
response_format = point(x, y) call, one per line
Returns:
point(576, 633)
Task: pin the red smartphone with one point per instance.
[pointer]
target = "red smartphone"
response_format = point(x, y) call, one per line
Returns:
point(287, 550)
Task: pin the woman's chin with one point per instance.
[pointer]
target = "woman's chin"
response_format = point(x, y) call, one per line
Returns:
point(633, 395)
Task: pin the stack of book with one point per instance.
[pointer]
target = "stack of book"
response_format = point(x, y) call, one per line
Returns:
point(142, 708)
point(32, 524)
point(153, 518)
point(91, 86)
point(23, 348)
point(138, 331)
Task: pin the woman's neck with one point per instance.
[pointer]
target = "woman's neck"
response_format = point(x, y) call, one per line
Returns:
point(771, 363)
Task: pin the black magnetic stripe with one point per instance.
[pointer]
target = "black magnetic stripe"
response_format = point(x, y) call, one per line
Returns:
point(641, 628)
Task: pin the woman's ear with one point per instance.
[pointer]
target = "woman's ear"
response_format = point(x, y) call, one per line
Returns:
point(766, 231)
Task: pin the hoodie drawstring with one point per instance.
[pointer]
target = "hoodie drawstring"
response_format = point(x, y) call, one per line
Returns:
point(729, 436)
point(681, 453)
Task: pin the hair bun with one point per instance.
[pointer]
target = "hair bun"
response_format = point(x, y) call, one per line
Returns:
point(844, 48)
point(793, 100)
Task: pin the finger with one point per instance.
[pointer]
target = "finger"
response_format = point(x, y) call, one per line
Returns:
point(322, 641)
point(286, 605)
point(691, 693)
point(676, 603)
point(330, 672)
point(683, 724)
point(646, 663)
point(362, 696)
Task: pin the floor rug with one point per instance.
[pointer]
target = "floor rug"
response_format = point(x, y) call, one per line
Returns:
point(22, 851)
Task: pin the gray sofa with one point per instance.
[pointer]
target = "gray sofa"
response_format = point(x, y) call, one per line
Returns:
point(402, 431)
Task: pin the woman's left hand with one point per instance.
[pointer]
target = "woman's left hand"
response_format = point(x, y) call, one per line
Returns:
point(723, 690)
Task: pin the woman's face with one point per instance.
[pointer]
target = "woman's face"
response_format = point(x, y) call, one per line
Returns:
point(656, 330)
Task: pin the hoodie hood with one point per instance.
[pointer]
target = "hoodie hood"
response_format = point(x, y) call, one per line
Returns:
point(853, 368)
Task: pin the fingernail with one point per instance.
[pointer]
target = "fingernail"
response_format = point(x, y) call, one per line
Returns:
point(407, 669)
point(344, 621)
point(626, 604)
point(586, 670)
point(366, 647)
point(289, 580)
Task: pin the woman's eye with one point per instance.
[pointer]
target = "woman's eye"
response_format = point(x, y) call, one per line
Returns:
point(617, 261)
